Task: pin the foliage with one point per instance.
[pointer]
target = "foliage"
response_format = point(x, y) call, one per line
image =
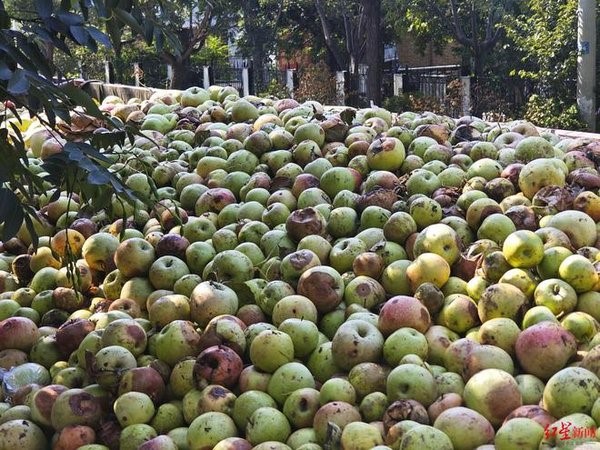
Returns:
point(414, 101)
point(316, 82)
point(28, 93)
point(475, 25)
point(397, 103)
point(276, 89)
point(553, 113)
point(543, 43)
point(214, 51)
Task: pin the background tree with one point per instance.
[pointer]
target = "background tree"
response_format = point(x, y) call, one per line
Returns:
point(190, 23)
point(474, 24)
point(373, 48)
point(543, 43)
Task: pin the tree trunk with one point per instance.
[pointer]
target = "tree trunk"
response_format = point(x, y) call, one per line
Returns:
point(374, 49)
point(183, 77)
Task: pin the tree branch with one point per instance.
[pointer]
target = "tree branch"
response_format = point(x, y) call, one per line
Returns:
point(458, 31)
point(200, 32)
point(328, 35)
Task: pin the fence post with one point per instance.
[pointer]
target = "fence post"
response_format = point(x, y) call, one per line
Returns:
point(398, 84)
point(289, 81)
point(206, 76)
point(169, 74)
point(245, 81)
point(340, 87)
point(107, 71)
point(466, 95)
point(136, 74)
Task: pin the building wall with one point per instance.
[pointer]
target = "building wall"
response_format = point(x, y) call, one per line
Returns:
point(410, 55)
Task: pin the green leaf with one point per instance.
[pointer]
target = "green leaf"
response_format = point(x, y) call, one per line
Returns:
point(80, 34)
point(11, 213)
point(129, 20)
point(81, 98)
point(101, 9)
point(43, 8)
point(69, 18)
point(5, 72)
point(18, 83)
point(99, 36)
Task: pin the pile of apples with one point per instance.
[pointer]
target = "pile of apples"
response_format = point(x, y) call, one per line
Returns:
point(308, 278)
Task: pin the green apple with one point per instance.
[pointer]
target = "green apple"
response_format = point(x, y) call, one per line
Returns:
point(571, 390)
point(579, 272)
point(208, 429)
point(194, 96)
point(557, 295)
point(411, 381)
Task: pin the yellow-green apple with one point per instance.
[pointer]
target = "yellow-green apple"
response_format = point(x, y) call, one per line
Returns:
point(411, 381)
point(194, 96)
point(22, 433)
point(208, 429)
point(386, 153)
point(210, 299)
point(458, 313)
point(428, 267)
point(496, 227)
point(579, 272)
point(287, 379)
point(114, 361)
point(166, 270)
point(343, 253)
point(356, 341)
point(267, 424)
point(134, 257)
point(183, 333)
point(248, 402)
point(425, 211)
point(541, 172)
point(519, 432)
point(440, 239)
point(553, 257)
point(533, 147)
point(404, 341)
point(364, 291)
point(557, 295)
point(304, 335)
point(358, 435)
point(501, 332)
point(502, 300)
point(579, 226)
point(271, 349)
point(571, 390)
point(133, 407)
point(523, 249)
point(465, 427)
point(486, 356)
point(493, 393)
point(581, 325)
